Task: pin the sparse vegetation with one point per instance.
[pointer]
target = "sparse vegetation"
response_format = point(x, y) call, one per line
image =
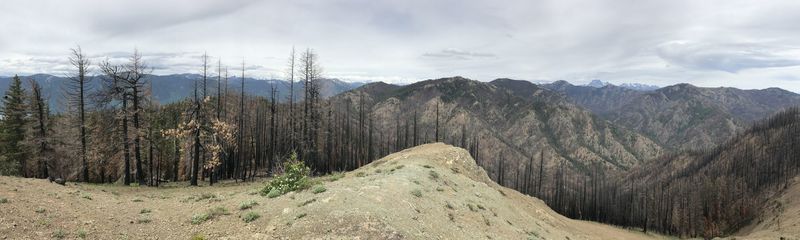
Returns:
point(200, 218)
point(3, 200)
point(433, 175)
point(318, 189)
point(145, 211)
point(205, 196)
point(198, 236)
point(309, 201)
point(247, 205)
point(86, 196)
point(250, 216)
point(299, 216)
point(40, 210)
point(82, 234)
point(335, 176)
point(274, 193)
point(143, 220)
point(416, 193)
point(361, 174)
point(59, 234)
point(135, 199)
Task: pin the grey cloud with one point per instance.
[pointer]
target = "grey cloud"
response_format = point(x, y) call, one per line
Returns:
point(458, 54)
point(724, 57)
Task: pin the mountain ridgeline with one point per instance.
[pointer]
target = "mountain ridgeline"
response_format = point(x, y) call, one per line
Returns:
point(680, 116)
point(176, 87)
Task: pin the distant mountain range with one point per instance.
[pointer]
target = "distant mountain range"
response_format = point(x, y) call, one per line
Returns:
point(632, 86)
point(175, 87)
point(682, 115)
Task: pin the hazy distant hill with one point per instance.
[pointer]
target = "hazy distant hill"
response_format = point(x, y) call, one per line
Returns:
point(171, 88)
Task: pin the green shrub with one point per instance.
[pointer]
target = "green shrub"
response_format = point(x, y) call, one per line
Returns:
point(295, 177)
point(248, 205)
point(198, 236)
point(145, 210)
point(40, 210)
point(218, 211)
point(274, 193)
point(309, 201)
point(137, 200)
point(361, 174)
point(143, 220)
point(3, 200)
point(205, 196)
point(299, 216)
point(319, 189)
point(200, 218)
point(82, 234)
point(250, 216)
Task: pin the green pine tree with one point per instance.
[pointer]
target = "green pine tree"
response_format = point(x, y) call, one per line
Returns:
point(12, 133)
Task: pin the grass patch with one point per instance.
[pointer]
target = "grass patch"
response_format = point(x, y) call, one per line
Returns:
point(143, 220)
point(218, 211)
point(3, 200)
point(82, 234)
point(335, 176)
point(299, 216)
point(198, 236)
point(39, 210)
point(439, 189)
point(433, 175)
point(137, 200)
point(248, 205)
point(309, 201)
point(210, 214)
point(294, 178)
point(59, 234)
point(200, 218)
point(250, 216)
point(205, 196)
point(361, 174)
point(144, 211)
point(416, 193)
point(398, 167)
point(319, 189)
point(274, 193)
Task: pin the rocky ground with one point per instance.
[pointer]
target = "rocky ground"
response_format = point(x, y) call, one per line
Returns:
point(433, 191)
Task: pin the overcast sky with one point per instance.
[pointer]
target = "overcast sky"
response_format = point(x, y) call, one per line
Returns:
point(745, 44)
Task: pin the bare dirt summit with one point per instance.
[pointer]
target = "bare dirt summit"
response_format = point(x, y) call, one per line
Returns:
point(433, 191)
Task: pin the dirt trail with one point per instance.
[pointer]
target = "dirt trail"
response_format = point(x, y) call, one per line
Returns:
point(433, 191)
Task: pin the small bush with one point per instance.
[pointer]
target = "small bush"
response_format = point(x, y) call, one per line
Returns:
point(87, 196)
point(137, 200)
point(81, 234)
point(3, 200)
point(361, 174)
point(274, 193)
point(294, 178)
point(319, 189)
point(145, 210)
point(250, 216)
point(299, 216)
point(248, 205)
point(200, 218)
point(427, 166)
point(416, 192)
point(198, 237)
point(40, 210)
point(59, 234)
point(143, 220)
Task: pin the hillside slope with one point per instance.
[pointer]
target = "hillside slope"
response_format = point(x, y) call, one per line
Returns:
point(506, 127)
point(780, 217)
point(433, 191)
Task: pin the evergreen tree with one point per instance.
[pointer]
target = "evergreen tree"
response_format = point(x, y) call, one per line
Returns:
point(13, 130)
